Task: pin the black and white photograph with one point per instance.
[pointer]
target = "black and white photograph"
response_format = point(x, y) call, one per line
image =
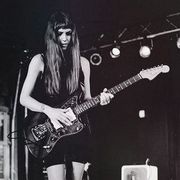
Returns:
point(90, 90)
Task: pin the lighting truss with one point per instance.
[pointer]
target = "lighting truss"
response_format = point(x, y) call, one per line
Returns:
point(149, 30)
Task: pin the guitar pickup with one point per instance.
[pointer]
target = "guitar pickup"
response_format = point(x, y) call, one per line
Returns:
point(39, 132)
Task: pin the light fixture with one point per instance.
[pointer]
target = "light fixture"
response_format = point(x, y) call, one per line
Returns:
point(95, 59)
point(145, 49)
point(178, 42)
point(115, 52)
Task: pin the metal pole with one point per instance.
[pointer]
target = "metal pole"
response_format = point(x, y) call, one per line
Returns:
point(14, 148)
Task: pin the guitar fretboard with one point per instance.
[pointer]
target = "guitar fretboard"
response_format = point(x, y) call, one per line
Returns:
point(114, 90)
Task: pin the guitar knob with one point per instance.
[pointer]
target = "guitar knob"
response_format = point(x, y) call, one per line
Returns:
point(52, 139)
point(46, 147)
point(63, 130)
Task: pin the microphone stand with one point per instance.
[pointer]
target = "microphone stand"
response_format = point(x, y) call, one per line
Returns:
point(14, 140)
point(14, 151)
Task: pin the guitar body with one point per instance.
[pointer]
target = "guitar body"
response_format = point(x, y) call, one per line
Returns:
point(41, 136)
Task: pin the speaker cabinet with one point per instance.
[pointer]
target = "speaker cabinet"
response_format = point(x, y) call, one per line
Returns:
point(139, 172)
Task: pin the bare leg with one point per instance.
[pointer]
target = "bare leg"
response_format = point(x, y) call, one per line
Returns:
point(78, 170)
point(56, 172)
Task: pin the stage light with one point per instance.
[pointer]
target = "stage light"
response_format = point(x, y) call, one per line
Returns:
point(146, 47)
point(95, 59)
point(115, 52)
point(178, 42)
point(145, 51)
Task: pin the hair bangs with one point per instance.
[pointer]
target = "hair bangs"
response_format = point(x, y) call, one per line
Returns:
point(63, 25)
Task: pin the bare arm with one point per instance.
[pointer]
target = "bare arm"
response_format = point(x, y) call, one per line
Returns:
point(105, 97)
point(35, 67)
point(55, 114)
point(86, 71)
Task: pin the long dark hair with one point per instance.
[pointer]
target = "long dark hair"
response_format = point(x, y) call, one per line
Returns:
point(55, 59)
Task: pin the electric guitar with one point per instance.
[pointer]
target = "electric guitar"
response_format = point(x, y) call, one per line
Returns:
point(40, 134)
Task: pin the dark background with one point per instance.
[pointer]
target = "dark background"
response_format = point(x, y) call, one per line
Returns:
point(120, 136)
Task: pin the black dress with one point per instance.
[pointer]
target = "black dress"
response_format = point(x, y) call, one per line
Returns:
point(76, 148)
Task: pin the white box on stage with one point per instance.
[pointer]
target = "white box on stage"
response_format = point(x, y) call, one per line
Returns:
point(139, 172)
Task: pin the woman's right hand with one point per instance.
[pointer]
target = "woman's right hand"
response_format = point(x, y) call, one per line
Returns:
point(58, 116)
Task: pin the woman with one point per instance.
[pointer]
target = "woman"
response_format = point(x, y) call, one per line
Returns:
point(52, 77)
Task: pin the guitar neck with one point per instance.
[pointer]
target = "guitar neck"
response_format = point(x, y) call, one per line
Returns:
point(114, 90)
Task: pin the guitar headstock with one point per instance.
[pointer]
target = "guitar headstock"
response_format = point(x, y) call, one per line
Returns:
point(153, 72)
